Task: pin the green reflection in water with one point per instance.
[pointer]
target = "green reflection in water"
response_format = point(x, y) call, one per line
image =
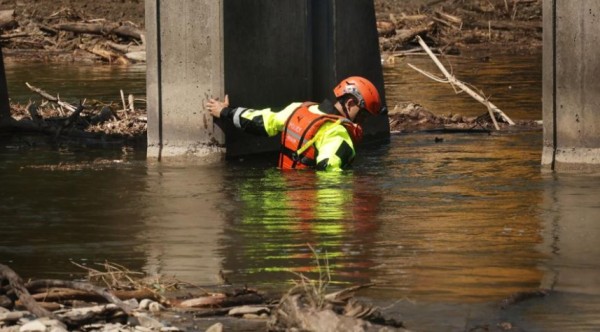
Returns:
point(281, 213)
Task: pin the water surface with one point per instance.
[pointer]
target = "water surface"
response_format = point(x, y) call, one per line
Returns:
point(445, 230)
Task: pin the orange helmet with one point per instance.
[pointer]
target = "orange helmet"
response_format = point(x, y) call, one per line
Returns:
point(361, 89)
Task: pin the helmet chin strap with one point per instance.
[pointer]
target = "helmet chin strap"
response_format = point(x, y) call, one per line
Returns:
point(345, 110)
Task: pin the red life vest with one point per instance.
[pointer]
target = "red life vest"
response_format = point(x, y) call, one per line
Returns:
point(297, 149)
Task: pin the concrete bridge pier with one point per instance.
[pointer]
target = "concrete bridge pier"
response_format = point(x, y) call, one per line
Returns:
point(184, 45)
point(571, 85)
point(261, 53)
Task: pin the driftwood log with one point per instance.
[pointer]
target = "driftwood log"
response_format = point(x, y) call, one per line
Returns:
point(102, 29)
point(405, 35)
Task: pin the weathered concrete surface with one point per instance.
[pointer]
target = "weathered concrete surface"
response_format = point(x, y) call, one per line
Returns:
point(184, 65)
point(571, 85)
point(262, 53)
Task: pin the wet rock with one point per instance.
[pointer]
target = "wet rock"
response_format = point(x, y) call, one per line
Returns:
point(456, 118)
point(155, 307)
point(144, 304)
point(5, 302)
point(33, 326)
point(218, 327)
point(142, 329)
point(152, 306)
point(243, 310)
point(147, 321)
point(11, 316)
point(203, 301)
point(43, 325)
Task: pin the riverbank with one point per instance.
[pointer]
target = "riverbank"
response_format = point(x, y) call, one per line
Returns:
point(105, 31)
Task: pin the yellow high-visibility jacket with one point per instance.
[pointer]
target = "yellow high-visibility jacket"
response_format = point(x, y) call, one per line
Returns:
point(335, 149)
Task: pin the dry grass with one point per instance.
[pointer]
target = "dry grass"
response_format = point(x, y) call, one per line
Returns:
point(118, 277)
point(314, 291)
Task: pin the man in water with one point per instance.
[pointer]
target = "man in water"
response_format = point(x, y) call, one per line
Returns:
point(320, 136)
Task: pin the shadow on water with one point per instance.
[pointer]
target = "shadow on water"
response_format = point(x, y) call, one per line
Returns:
point(445, 230)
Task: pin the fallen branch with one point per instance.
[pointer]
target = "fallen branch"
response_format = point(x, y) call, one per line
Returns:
point(104, 292)
point(404, 35)
point(66, 294)
point(126, 48)
point(450, 79)
point(101, 29)
point(17, 285)
point(50, 97)
point(14, 35)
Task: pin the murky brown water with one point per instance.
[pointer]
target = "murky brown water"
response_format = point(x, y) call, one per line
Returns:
point(446, 230)
point(75, 82)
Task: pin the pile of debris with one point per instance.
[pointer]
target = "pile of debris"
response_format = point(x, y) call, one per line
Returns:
point(455, 24)
point(116, 299)
point(94, 123)
point(411, 117)
point(67, 35)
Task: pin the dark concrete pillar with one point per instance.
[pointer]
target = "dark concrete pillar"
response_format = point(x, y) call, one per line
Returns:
point(278, 52)
point(571, 92)
point(261, 53)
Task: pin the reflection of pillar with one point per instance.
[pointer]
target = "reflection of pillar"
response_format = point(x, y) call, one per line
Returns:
point(572, 236)
point(182, 224)
point(571, 100)
point(4, 105)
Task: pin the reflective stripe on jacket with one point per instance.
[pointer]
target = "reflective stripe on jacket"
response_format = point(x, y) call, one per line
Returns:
point(334, 144)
